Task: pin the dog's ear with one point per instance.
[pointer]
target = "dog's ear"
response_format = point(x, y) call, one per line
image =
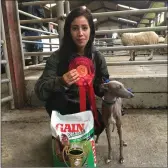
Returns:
point(105, 86)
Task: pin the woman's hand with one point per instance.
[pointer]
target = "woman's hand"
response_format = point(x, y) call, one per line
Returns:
point(71, 77)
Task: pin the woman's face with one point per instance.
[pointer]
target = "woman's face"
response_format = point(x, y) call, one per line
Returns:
point(80, 32)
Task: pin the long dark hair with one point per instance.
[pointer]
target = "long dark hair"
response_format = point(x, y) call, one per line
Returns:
point(68, 46)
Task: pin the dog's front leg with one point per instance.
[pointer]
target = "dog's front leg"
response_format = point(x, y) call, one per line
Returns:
point(108, 133)
point(119, 130)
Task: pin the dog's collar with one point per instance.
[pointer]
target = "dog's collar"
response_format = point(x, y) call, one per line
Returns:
point(109, 103)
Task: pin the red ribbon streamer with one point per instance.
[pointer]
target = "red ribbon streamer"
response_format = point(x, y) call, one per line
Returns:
point(85, 84)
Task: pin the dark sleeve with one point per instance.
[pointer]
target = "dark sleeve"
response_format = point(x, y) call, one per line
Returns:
point(49, 82)
point(101, 73)
point(40, 11)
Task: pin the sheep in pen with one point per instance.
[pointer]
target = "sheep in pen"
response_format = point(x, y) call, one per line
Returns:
point(140, 38)
point(163, 40)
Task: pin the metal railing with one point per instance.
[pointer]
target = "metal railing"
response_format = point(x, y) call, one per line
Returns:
point(32, 16)
point(137, 62)
point(117, 13)
point(35, 42)
point(27, 39)
point(37, 30)
point(39, 20)
point(5, 62)
point(36, 3)
point(38, 37)
point(130, 30)
point(130, 12)
point(153, 46)
point(37, 53)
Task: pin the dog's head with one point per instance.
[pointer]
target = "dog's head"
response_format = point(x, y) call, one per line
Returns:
point(117, 89)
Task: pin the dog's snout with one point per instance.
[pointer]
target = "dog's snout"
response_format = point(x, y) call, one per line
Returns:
point(132, 95)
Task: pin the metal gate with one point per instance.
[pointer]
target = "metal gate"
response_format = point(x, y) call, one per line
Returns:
point(5, 62)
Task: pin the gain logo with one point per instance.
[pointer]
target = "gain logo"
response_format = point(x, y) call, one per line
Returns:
point(70, 127)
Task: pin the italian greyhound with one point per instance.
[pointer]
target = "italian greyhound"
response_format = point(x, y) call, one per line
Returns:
point(111, 112)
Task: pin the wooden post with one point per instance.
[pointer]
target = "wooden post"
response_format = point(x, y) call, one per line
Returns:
point(11, 25)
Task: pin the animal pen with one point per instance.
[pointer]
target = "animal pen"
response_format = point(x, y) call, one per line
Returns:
point(17, 64)
point(147, 79)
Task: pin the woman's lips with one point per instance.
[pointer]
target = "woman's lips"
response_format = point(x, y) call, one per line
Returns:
point(80, 40)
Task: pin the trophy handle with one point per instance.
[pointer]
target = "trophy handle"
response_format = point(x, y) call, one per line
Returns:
point(65, 150)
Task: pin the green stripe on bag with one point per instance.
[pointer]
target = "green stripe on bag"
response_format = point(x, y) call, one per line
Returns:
point(86, 137)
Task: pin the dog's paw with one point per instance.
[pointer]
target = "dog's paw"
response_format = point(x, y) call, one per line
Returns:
point(150, 58)
point(96, 144)
point(121, 160)
point(124, 144)
point(108, 161)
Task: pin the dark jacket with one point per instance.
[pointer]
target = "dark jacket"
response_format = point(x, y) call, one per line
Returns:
point(50, 85)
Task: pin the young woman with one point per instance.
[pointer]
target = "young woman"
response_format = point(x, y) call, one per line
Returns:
point(56, 86)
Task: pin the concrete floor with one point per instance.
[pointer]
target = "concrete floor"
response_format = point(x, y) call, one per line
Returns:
point(26, 139)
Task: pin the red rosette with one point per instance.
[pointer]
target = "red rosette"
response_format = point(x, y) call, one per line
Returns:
point(85, 68)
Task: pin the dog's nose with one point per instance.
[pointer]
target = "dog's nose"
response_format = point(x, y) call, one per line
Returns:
point(132, 95)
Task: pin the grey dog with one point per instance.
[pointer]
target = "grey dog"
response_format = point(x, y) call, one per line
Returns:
point(111, 112)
